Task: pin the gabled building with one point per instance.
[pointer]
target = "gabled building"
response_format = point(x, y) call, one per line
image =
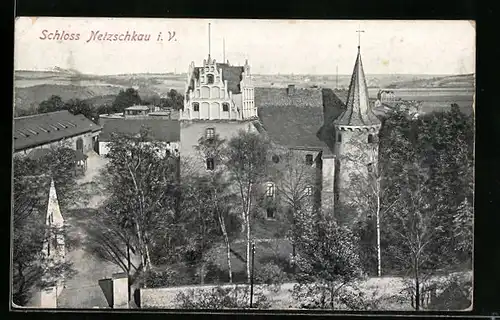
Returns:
point(53, 129)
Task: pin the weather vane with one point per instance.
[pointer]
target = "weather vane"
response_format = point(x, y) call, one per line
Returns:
point(359, 36)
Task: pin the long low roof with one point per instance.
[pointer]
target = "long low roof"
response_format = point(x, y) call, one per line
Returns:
point(40, 129)
point(159, 129)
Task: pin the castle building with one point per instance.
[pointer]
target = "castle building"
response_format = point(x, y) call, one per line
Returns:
point(314, 133)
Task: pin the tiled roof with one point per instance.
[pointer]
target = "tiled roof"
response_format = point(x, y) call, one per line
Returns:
point(292, 126)
point(301, 97)
point(36, 130)
point(233, 75)
point(358, 111)
point(138, 108)
point(160, 129)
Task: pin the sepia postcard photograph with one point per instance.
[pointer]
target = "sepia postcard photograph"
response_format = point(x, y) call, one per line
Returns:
point(243, 164)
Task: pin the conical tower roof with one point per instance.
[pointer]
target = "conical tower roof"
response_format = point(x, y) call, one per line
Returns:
point(358, 111)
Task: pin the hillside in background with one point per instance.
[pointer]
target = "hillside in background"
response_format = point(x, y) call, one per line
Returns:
point(33, 87)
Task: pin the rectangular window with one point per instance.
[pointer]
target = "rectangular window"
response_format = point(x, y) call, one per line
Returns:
point(309, 191)
point(210, 164)
point(225, 106)
point(210, 133)
point(270, 212)
point(339, 138)
point(370, 167)
point(196, 106)
point(309, 159)
point(270, 189)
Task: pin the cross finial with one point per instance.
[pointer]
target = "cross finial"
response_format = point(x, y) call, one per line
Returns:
point(359, 37)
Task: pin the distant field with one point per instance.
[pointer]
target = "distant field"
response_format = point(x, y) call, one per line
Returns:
point(33, 87)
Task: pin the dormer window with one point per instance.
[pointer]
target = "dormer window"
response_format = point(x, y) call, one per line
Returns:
point(196, 106)
point(210, 133)
point(309, 159)
point(210, 78)
point(270, 190)
point(225, 106)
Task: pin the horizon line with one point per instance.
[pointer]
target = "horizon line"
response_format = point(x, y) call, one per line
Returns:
point(76, 72)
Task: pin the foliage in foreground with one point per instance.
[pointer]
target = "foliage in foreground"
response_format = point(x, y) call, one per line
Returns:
point(237, 297)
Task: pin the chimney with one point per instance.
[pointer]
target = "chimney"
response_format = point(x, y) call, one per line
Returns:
point(291, 88)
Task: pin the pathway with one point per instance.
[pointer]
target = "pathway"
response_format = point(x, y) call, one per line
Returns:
point(82, 290)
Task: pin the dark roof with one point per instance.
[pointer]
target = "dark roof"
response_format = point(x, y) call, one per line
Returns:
point(358, 111)
point(292, 126)
point(233, 75)
point(36, 130)
point(160, 129)
point(301, 97)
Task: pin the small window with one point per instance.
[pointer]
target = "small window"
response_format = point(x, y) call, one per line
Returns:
point(339, 138)
point(225, 106)
point(309, 159)
point(210, 133)
point(276, 158)
point(196, 106)
point(210, 164)
point(270, 190)
point(370, 167)
point(308, 191)
point(270, 212)
point(370, 138)
point(210, 78)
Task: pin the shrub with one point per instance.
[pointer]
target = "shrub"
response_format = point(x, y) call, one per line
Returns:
point(221, 298)
point(270, 274)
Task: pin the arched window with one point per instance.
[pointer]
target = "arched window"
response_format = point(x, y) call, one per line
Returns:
point(276, 158)
point(210, 133)
point(309, 159)
point(210, 164)
point(370, 138)
point(79, 144)
point(225, 106)
point(210, 78)
point(196, 106)
point(339, 137)
point(270, 190)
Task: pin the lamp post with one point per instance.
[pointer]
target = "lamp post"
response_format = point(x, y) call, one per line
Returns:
point(251, 276)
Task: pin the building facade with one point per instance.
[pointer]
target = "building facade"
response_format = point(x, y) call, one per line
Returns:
point(54, 129)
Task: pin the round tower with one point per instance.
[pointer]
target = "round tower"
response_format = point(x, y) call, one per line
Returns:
point(356, 137)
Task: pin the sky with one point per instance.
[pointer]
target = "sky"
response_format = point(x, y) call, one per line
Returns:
point(271, 46)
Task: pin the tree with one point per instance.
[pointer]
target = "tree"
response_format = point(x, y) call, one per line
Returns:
point(112, 238)
point(174, 100)
point(125, 99)
point(328, 264)
point(293, 178)
point(143, 184)
point(210, 194)
point(246, 160)
point(54, 103)
point(77, 106)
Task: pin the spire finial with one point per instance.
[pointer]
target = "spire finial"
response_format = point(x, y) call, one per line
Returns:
point(208, 41)
point(359, 37)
